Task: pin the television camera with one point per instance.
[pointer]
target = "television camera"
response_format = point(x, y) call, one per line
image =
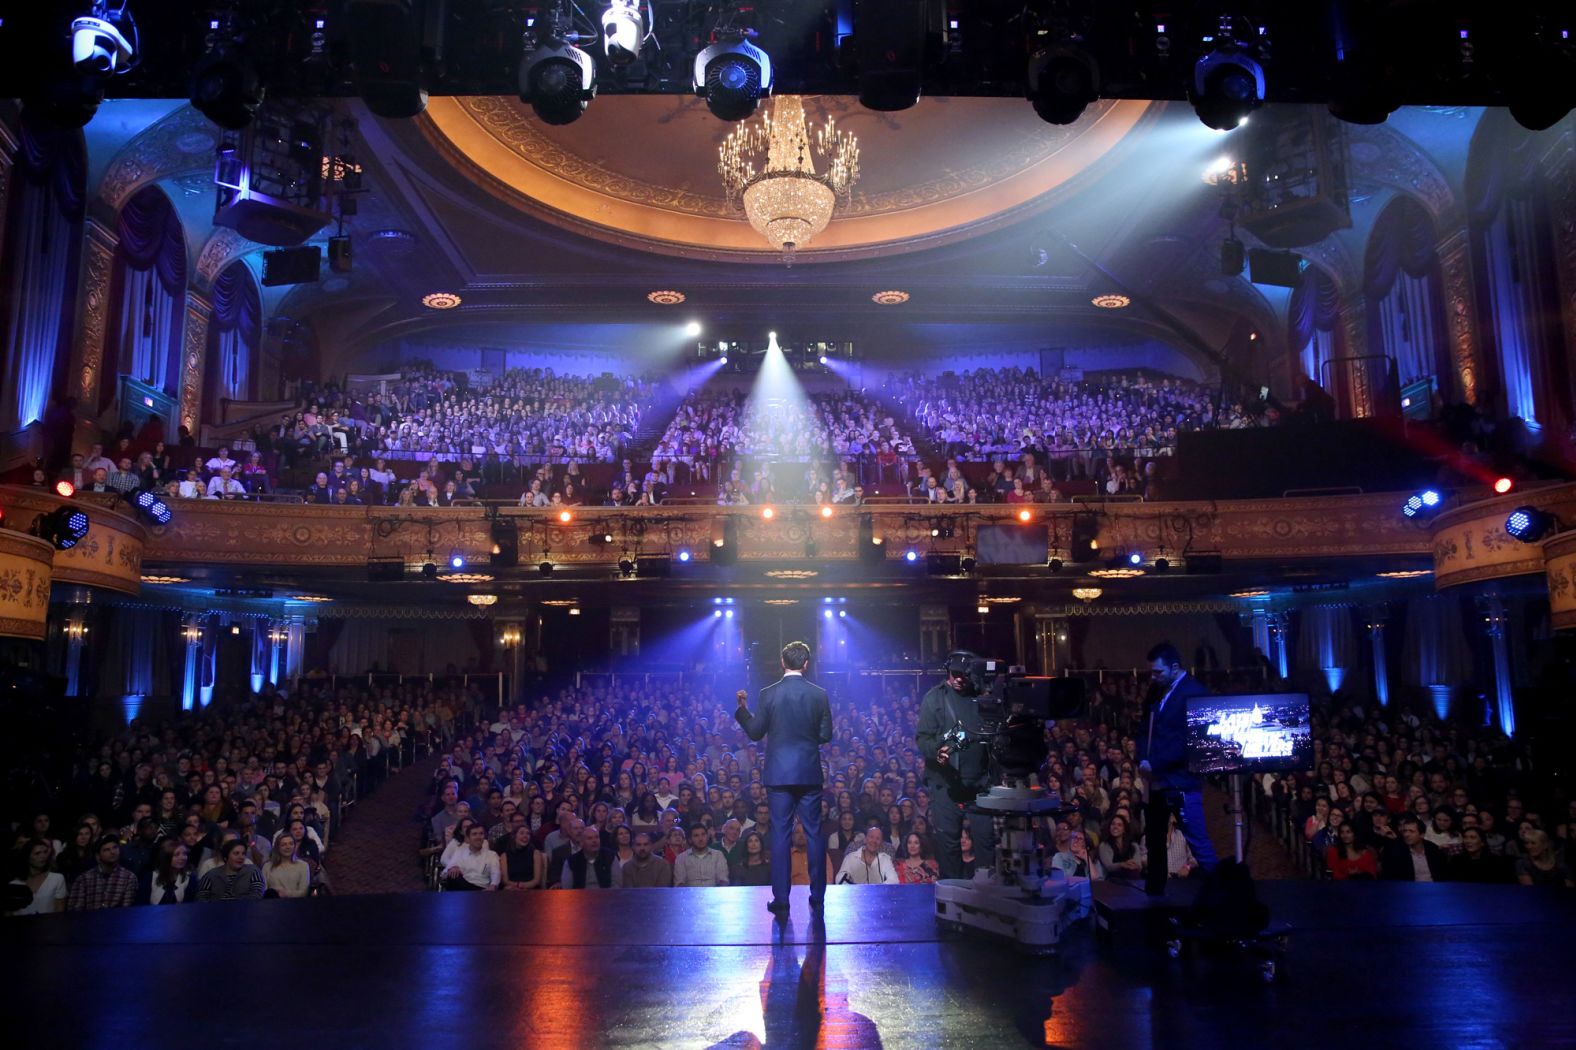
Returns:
point(1017, 899)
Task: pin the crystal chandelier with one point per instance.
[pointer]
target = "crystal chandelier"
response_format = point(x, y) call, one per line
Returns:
point(770, 164)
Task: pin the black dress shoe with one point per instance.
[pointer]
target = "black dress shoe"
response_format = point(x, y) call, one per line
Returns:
point(778, 908)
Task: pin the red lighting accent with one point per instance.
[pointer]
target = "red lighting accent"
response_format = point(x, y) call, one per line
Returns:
point(1025, 516)
point(65, 488)
point(1504, 485)
point(565, 517)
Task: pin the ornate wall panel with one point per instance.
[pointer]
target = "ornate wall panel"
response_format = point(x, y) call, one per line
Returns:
point(1560, 174)
point(110, 556)
point(1559, 557)
point(24, 585)
point(1455, 266)
point(301, 535)
point(1470, 543)
point(98, 267)
point(194, 356)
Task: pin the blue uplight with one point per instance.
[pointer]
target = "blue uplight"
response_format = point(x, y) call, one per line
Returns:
point(1135, 558)
point(911, 555)
point(684, 555)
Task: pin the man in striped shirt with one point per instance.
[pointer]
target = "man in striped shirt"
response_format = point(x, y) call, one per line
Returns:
point(234, 880)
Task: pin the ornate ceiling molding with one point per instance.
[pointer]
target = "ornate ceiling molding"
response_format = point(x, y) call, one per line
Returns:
point(495, 143)
point(163, 150)
point(1383, 156)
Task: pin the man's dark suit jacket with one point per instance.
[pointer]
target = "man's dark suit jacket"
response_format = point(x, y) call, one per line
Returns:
point(795, 716)
point(1395, 863)
point(1165, 747)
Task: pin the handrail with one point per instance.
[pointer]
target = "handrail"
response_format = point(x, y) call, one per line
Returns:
point(1329, 490)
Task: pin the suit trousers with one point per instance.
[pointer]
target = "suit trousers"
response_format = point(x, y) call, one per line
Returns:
point(1189, 808)
point(786, 802)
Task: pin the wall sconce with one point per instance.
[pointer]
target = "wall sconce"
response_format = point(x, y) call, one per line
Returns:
point(76, 630)
point(278, 635)
point(510, 636)
point(192, 633)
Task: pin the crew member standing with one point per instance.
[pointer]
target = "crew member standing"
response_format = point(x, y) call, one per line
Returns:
point(1173, 788)
point(795, 716)
point(955, 776)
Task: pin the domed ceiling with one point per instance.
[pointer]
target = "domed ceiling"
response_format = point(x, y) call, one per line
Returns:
point(641, 170)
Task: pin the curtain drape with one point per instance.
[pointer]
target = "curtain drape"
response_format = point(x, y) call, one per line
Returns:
point(1402, 285)
point(234, 338)
point(151, 274)
point(38, 284)
point(1314, 322)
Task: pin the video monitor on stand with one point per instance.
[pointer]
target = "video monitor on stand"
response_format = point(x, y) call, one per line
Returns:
point(1248, 734)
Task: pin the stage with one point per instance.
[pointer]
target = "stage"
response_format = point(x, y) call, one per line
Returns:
point(1391, 965)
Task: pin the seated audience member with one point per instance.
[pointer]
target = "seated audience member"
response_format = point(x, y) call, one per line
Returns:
point(917, 865)
point(1073, 857)
point(285, 875)
point(46, 889)
point(646, 869)
point(234, 879)
point(106, 884)
point(754, 866)
point(522, 866)
point(869, 864)
point(223, 486)
point(1121, 857)
point(1475, 863)
point(1413, 858)
point(475, 865)
point(700, 865)
point(171, 880)
point(1542, 865)
point(587, 866)
point(1180, 862)
point(1350, 859)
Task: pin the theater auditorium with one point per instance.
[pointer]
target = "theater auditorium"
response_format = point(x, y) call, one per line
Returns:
point(793, 523)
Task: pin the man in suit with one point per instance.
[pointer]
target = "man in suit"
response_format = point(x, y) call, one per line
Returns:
point(1412, 858)
point(1162, 752)
point(796, 718)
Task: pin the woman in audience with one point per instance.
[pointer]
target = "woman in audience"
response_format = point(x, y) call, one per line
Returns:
point(284, 875)
point(754, 867)
point(1120, 856)
point(1542, 866)
point(456, 843)
point(916, 865)
point(171, 880)
point(46, 888)
point(675, 845)
point(1317, 820)
point(1073, 857)
point(1475, 863)
point(522, 866)
point(1350, 859)
point(966, 847)
point(79, 854)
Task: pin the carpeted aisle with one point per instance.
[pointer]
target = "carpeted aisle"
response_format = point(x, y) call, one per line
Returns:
point(376, 848)
point(1267, 859)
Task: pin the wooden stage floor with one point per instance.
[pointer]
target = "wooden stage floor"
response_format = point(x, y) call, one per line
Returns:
point(1370, 965)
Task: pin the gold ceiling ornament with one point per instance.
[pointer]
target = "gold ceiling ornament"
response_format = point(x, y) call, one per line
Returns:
point(1087, 594)
point(1115, 574)
point(441, 300)
point(467, 577)
point(482, 599)
point(782, 601)
point(1254, 593)
point(893, 297)
point(1111, 301)
point(560, 603)
point(1405, 574)
point(1000, 601)
point(166, 579)
point(770, 165)
point(666, 297)
point(309, 598)
point(792, 574)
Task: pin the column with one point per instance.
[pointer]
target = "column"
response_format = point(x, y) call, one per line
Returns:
point(277, 635)
point(295, 646)
point(1496, 617)
point(191, 678)
point(76, 631)
point(1378, 615)
point(1455, 272)
point(193, 359)
point(97, 275)
point(511, 637)
point(1353, 398)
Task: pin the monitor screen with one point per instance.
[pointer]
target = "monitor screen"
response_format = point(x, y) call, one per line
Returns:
point(1011, 544)
point(1256, 733)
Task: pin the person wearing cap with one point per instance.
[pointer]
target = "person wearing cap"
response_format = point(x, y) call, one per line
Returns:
point(954, 776)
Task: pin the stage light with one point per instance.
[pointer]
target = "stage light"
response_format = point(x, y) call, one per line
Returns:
point(827, 613)
point(1228, 84)
point(967, 563)
point(826, 601)
point(1529, 524)
point(1062, 81)
point(623, 31)
point(768, 513)
point(728, 613)
point(565, 517)
point(626, 567)
point(226, 87)
point(1503, 485)
point(1162, 564)
point(826, 511)
point(723, 359)
point(557, 78)
point(1135, 558)
point(732, 75)
point(600, 539)
point(692, 329)
point(684, 554)
point(574, 611)
point(65, 488)
point(63, 527)
point(1055, 565)
point(98, 46)
point(716, 614)
point(842, 614)
point(1422, 505)
point(387, 40)
point(151, 506)
point(456, 560)
point(823, 359)
point(429, 569)
point(1025, 516)
point(911, 555)
point(545, 568)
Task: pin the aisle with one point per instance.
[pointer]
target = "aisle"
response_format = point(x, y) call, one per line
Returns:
point(1267, 859)
point(376, 849)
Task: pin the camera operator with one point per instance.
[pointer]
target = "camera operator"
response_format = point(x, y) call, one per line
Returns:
point(953, 775)
point(1173, 788)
